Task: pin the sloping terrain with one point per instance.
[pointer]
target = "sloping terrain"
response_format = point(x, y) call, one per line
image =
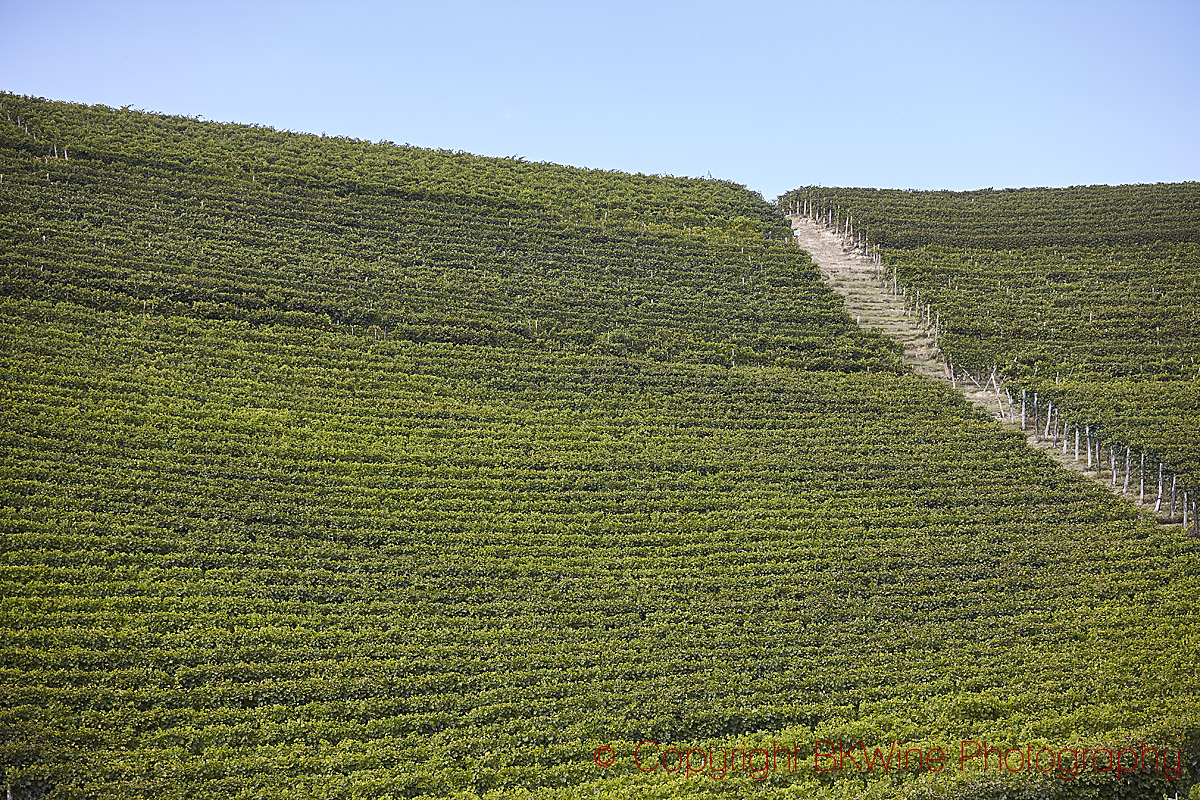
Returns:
point(878, 305)
point(1088, 297)
point(336, 469)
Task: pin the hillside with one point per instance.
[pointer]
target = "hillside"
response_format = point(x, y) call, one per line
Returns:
point(339, 469)
point(1088, 296)
point(1000, 219)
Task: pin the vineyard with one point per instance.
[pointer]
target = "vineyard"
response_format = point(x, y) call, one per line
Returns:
point(348, 469)
point(1087, 297)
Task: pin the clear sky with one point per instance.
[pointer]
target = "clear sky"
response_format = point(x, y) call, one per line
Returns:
point(956, 95)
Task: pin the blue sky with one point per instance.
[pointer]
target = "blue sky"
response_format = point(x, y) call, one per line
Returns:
point(955, 95)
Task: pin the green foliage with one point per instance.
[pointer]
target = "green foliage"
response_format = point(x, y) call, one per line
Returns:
point(417, 476)
point(1079, 216)
point(1089, 296)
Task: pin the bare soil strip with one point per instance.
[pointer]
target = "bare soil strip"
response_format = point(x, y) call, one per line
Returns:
point(853, 276)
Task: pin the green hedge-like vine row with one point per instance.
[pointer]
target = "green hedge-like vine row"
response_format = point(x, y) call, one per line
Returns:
point(417, 475)
point(1104, 322)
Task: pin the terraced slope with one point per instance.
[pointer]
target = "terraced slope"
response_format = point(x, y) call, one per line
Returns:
point(417, 475)
point(1002, 219)
point(1087, 296)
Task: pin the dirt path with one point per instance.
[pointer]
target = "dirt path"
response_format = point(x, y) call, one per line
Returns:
point(853, 275)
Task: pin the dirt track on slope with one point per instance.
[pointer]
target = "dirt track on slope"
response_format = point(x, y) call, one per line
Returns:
point(854, 276)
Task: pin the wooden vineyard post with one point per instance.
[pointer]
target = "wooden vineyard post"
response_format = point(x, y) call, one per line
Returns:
point(1112, 463)
point(1023, 393)
point(1088, 437)
point(1171, 514)
point(1128, 457)
point(1158, 502)
point(1077, 442)
point(1142, 480)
